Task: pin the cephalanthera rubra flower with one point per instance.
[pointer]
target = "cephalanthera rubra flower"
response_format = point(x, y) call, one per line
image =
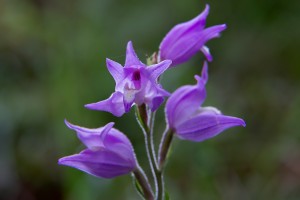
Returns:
point(192, 122)
point(108, 152)
point(136, 83)
point(186, 39)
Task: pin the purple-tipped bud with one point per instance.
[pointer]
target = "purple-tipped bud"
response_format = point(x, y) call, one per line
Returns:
point(109, 152)
point(186, 39)
point(192, 122)
point(136, 83)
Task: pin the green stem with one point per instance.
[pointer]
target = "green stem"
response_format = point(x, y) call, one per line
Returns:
point(142, 119)
point(158, 173)
point(164, 148)
point(142, 116)
point(147, 127)
point(144, 183)
point(160, 185)
point(151, 127)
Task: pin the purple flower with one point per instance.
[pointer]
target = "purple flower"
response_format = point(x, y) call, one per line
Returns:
point(135, 83)
point(186, 39)
point(109, 152)
point(192, 122)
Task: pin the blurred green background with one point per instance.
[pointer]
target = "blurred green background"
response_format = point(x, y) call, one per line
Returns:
point(52, 62)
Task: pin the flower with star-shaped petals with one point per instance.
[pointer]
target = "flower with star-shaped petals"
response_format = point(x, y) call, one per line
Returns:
point(136, 83)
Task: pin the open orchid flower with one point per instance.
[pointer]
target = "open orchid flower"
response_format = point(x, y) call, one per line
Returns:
point(186, 39)
point(109, 152)
point(135, 83)
point(192, 122)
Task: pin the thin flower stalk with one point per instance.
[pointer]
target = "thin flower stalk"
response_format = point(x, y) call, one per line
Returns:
point(142, 179)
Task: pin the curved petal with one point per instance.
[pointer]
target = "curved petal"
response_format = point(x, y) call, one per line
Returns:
point(156, 70)
point(115, 69)
point(131, 57)
point(91, 138)
point(206, 125)
point(190, 44)
point(204, 73)
point(208, 34)
point(101, 163)
point(175, 34)
point(207, 54)
point(182, 103)
point(114, 104)
point(116, 141)
point(113, 137)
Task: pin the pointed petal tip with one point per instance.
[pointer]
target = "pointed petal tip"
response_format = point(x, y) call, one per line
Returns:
point(204, 74)
point(205, 50)
point(238, 122)
point(243, 123)
point(129, 45)
point(91, 106)
point(66, 121)
point(108, 61)
point(111, 124)
point(108, 126)
point(61, 161)
point(131, 56)
point(221, 28)
point(68, 124)
point(207, 7)
point(197, 77)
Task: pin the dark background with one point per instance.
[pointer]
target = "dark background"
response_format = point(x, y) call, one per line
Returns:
point(52, 62)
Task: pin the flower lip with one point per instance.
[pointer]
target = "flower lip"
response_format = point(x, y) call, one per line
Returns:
point(136, 76)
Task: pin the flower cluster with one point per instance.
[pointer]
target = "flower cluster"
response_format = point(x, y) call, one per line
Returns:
point(109, 153)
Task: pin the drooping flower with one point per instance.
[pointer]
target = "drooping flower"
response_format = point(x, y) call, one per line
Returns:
point(186, 39)
point(109, 152)
point(192, 122)
point(135, 83)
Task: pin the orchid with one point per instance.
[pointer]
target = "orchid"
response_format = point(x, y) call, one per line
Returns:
point(109, 152)
point(135, 83)
point(186, 39)
point(192, 122)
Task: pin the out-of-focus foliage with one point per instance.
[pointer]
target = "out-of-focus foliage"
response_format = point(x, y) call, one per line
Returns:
point(52, 62)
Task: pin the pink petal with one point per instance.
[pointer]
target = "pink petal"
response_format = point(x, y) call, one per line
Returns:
point(205, 126)
point(131, 57)
point(114, 104)
point(102, 163)
point(115, 69)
